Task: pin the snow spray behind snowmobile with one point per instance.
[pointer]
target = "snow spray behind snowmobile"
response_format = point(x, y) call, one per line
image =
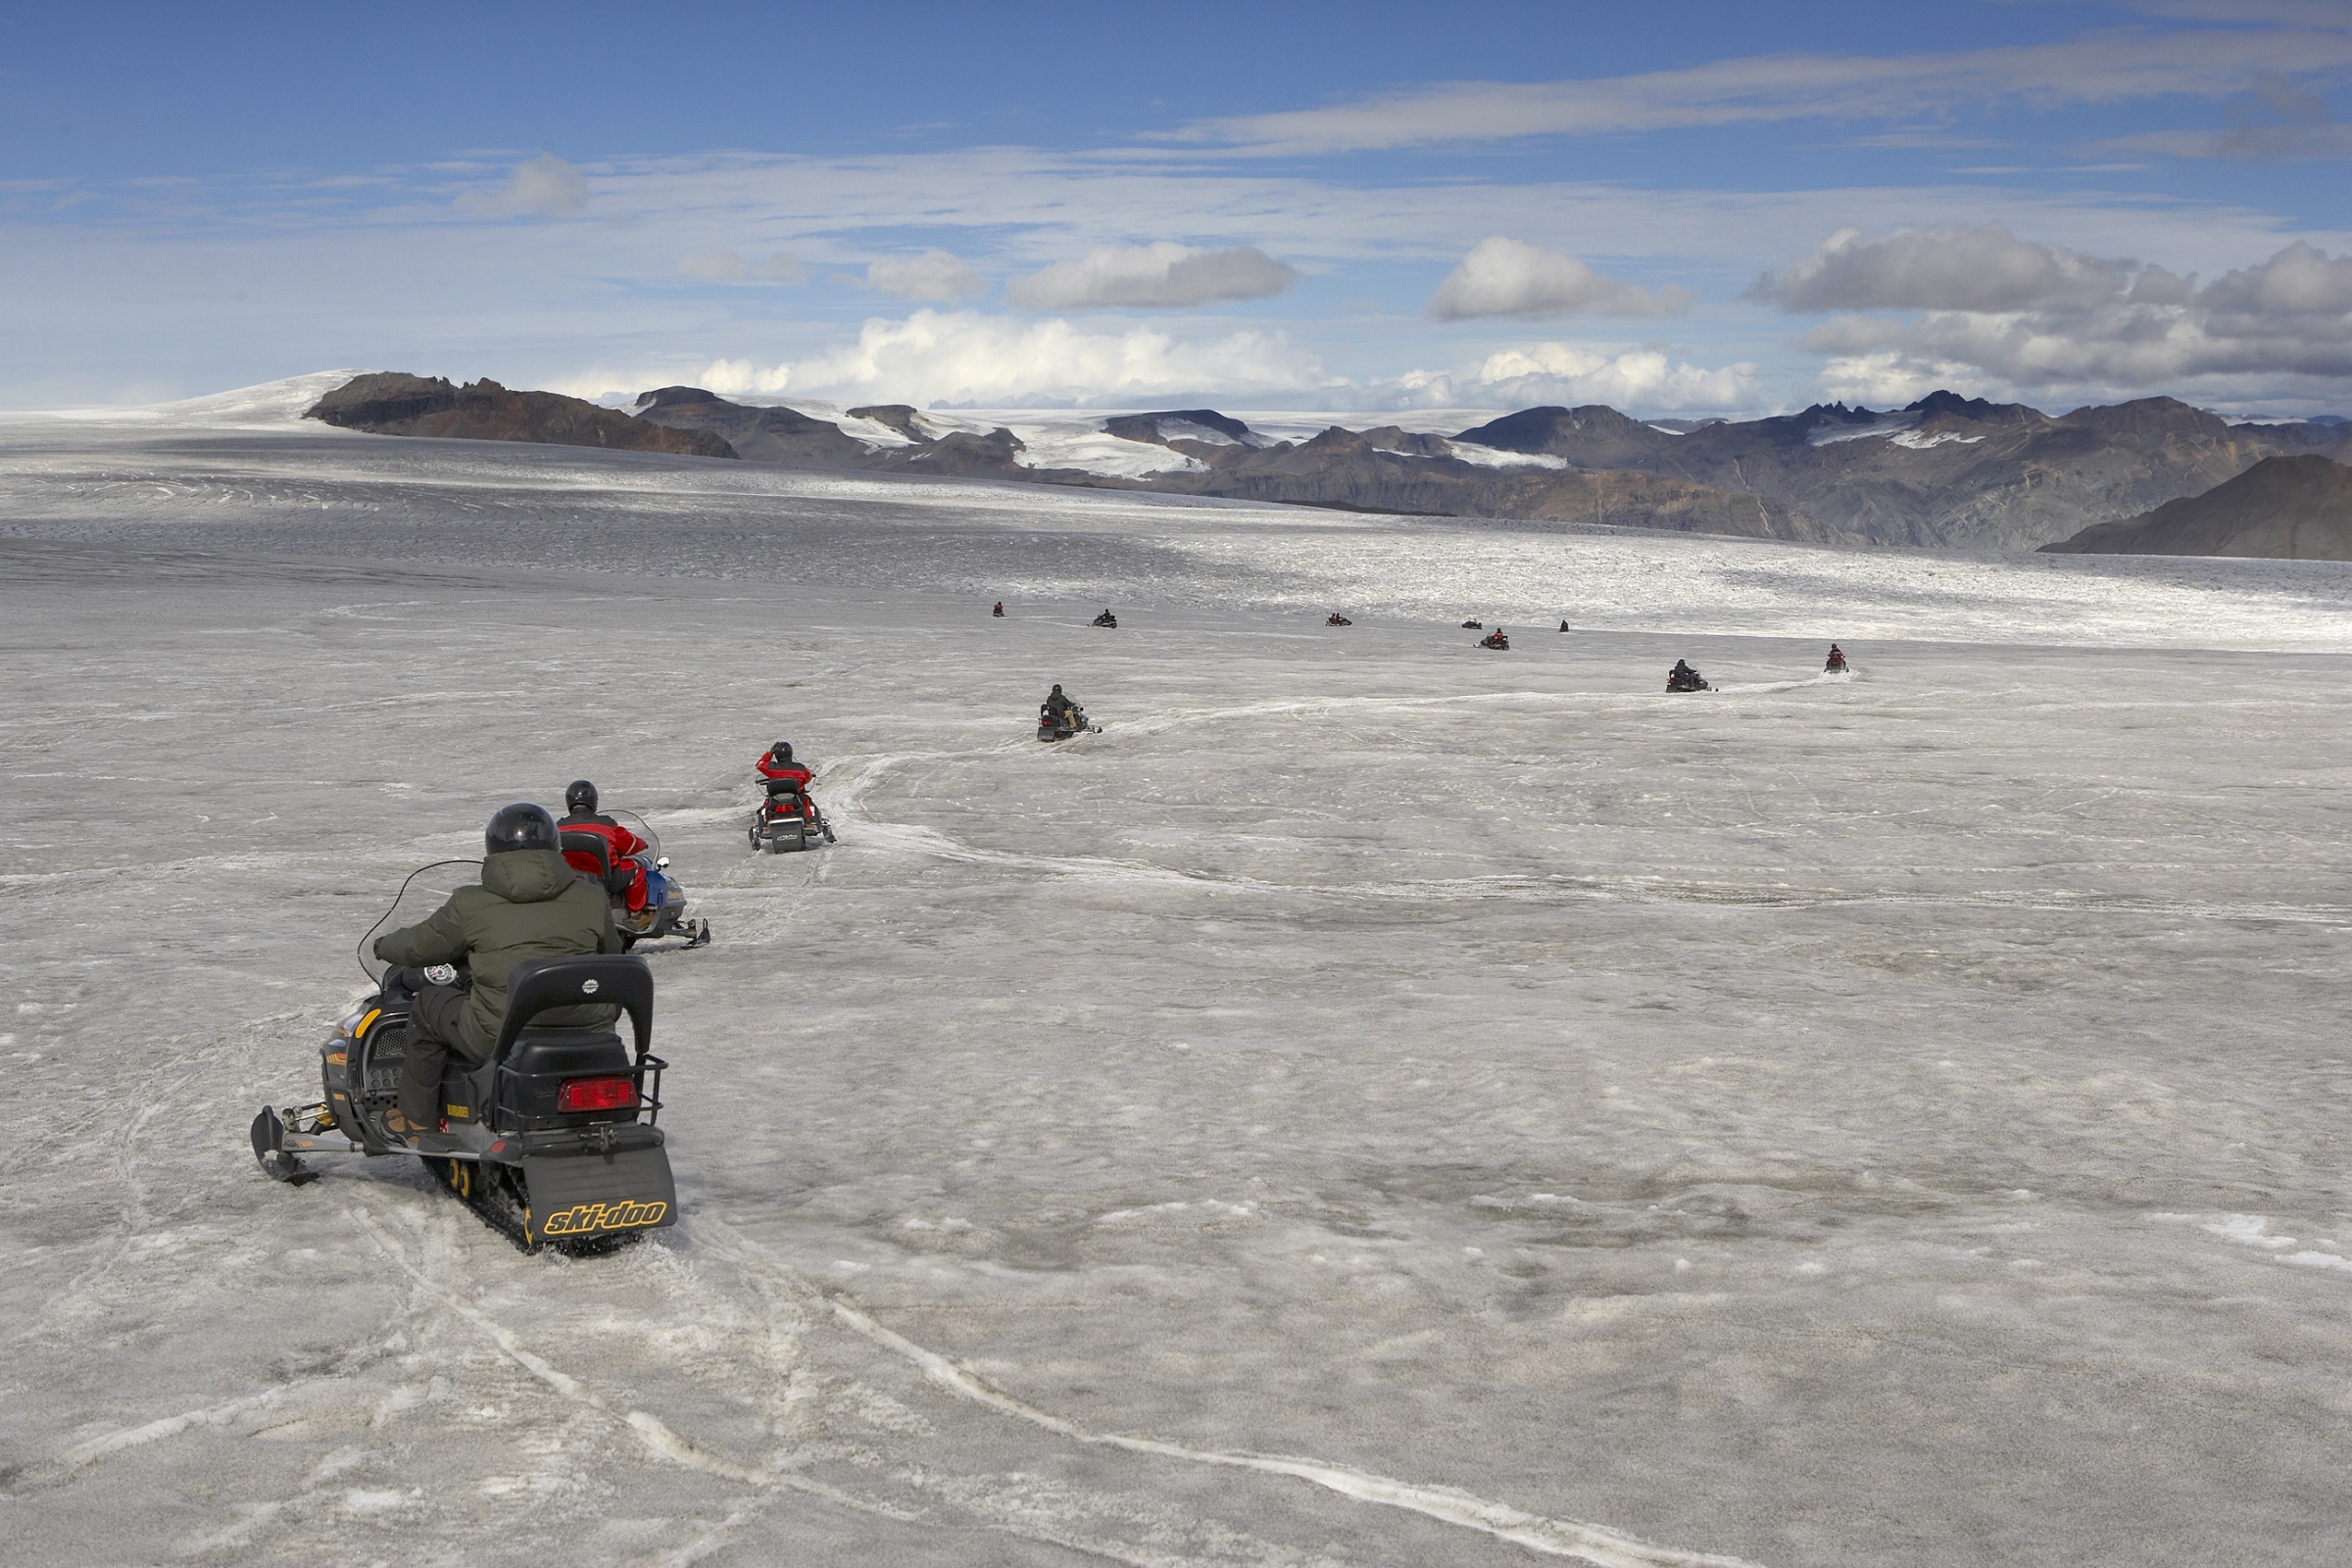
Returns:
point(788, 819)
point(552, 1141)
point(664, 910)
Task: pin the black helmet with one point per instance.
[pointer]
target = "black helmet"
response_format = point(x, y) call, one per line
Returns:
point(782, 750)
point(1058, 685)
point(520, 826)
point(579, 798)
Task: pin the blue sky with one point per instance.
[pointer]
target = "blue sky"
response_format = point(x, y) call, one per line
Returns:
point(1673, 207)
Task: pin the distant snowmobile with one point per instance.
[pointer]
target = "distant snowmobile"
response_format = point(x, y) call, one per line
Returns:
point(1683, 678)
point(1495, 640)
point(1106, 619)
point(788, 819)
point(998, 611)
point(1837, 661)
point(1334, 618)
point(1563, 625)
point(552, 1141)
point(663, 914)
point(1070, 722)
point(1474, 625)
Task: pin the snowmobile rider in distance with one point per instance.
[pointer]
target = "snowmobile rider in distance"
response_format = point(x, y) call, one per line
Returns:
point(529, 905)
point(1836, 659)
point(622, 846)
point(998, 611)
point(1056, 707)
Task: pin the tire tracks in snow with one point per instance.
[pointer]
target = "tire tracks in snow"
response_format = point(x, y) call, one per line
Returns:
point(1560, 1537)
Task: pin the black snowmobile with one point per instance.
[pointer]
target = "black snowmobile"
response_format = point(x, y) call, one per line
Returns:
point(1683, 678)
point(1474, 625)
point(1106, 619)
point(1495, 640)
point(1563, 625)
point(1334, 618)
point(788, 819)
point(552, 1142)
point(1073, 721)
point(665, 911)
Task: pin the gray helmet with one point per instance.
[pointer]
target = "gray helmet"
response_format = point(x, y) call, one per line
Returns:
point(520, 826)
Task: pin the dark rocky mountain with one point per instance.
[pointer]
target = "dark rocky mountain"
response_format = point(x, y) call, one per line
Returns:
point(771, 434)
point(1369, 471)
point(1945, 470)
point(2296, 507)
point(392, 404)
point(1384, 469)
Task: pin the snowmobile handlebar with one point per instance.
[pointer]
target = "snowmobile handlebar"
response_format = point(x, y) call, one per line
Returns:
point(598, 979)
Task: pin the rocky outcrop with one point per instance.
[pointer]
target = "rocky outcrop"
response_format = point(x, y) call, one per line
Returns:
point(1353, 470)
point(393, 404)
point(2282, 508)
point(1945, 470)
point(762, 434)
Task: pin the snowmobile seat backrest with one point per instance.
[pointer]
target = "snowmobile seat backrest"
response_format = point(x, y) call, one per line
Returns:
point(589, 852)
point(610, 979)
point(783, 786)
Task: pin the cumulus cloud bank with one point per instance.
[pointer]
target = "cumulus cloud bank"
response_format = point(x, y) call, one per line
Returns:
point(546, 186)
point(1504, 276)
point(933, 276)
point(1941, 270)
point(1163, 275)
point(966, 357)
point(1995, 309)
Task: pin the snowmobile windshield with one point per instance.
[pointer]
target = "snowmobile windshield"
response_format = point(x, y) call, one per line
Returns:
point(427, 888)
point(636, 824)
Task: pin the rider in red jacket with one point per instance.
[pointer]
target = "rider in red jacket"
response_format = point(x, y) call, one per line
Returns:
point(580, 817)
point(777, 763)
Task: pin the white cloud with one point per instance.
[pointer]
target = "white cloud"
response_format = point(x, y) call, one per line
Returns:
point(546, 186)
point(2104, 68)
point(1641, 378)
point(966, 357)
point(2289, 316)
point(933, 276)
point(1985, 269)
point(1509, 277)
point(1162, 275)
point(726, 266)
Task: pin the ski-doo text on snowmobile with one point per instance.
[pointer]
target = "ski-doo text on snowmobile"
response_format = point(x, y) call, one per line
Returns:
point(551, 1139)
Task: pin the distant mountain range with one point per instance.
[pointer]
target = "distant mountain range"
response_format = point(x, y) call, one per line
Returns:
point(2282, 508)
point(1945, 470)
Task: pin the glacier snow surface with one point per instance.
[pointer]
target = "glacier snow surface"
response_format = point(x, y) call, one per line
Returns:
point(1379, 1102)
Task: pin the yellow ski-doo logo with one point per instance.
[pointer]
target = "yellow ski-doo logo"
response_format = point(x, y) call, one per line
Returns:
point(621, 1216)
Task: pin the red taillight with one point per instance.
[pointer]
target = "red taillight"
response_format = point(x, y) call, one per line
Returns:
point(596, 1094)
